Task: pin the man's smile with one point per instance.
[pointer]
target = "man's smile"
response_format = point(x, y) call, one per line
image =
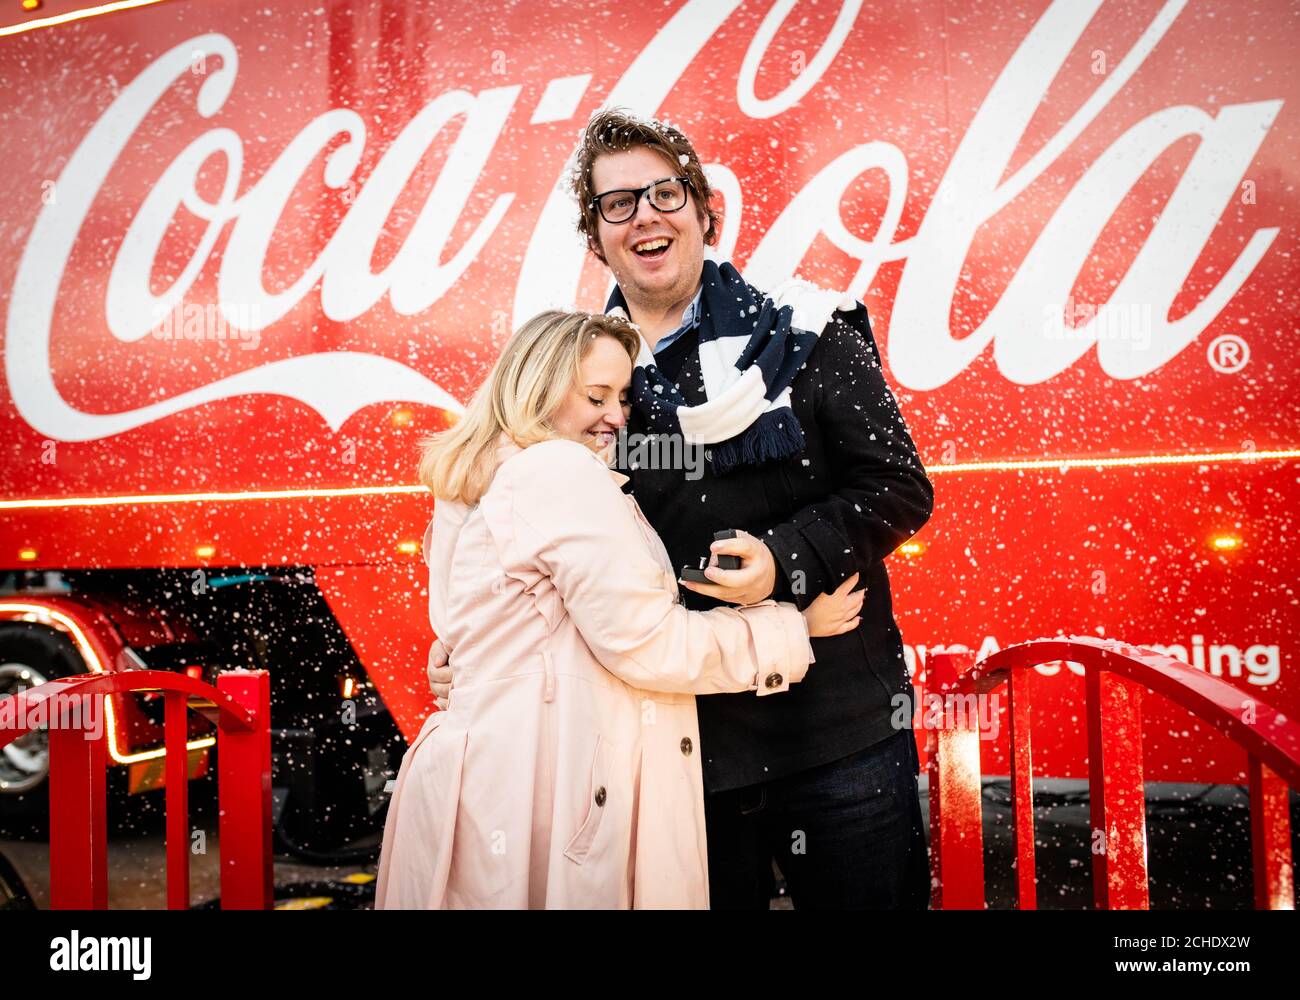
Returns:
point(652, 248)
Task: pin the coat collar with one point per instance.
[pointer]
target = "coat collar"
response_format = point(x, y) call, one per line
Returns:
point(507, 448)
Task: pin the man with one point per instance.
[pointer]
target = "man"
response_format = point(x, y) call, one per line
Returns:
point(808, 458)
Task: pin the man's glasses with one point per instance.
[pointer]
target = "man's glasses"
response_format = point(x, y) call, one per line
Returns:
point(667, 195)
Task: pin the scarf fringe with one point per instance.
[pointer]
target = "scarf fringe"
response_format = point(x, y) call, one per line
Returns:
point(776, 434)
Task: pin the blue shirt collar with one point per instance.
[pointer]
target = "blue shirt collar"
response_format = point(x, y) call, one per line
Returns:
point(690, 319)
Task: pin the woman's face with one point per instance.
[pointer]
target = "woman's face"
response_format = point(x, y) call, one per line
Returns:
point(597, 406)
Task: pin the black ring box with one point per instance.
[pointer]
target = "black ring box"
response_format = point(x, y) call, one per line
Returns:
point(724, 562)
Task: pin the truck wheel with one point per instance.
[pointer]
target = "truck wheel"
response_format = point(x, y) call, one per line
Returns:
point(30, 655)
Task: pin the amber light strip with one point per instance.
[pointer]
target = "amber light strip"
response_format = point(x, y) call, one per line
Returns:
point(1209, 458)
point(75, 15)
point(112, 501)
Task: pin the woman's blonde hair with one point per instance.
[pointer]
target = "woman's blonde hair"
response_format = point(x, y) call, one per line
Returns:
point(539, 366)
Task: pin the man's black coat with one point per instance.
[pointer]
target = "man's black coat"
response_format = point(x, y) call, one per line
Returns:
point(856, 493)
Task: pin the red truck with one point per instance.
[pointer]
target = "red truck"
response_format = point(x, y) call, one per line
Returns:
point(253, 252)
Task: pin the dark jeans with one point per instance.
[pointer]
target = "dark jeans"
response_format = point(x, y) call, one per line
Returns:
point(846, 835)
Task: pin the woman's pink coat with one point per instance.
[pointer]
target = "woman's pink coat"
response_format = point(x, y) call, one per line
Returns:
point(566, 771)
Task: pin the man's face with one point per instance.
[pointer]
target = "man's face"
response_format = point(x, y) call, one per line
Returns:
point(652, 278)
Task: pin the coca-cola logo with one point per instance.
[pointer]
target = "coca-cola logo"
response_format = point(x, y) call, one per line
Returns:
point(1030, 340)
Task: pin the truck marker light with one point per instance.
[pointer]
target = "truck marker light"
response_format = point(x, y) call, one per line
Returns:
point(205, 551)
point(1225, 543)
point(408, 548)
point(911, 548)
point(27, 554)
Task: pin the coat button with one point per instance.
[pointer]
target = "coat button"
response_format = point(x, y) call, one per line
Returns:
point(600, 795)
point(773, 680)
point(687, 747)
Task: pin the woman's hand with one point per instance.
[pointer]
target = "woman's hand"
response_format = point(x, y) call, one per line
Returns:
point(837, 612)
point(439, 675)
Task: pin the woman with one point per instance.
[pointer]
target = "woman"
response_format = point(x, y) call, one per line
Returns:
point(566, 771)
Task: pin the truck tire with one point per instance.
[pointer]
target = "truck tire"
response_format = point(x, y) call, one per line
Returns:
point(30, 655)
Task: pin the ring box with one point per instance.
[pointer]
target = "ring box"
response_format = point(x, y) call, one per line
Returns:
point(727, 562)
point(695, 575)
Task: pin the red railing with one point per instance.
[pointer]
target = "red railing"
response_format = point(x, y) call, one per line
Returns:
point(1116, 675)
point(239, 706)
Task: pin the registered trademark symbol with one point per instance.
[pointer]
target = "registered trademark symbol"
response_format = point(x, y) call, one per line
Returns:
point(1228, 354)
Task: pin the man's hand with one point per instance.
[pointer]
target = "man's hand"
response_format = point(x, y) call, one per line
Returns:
point(439, 675)
point(753, 582)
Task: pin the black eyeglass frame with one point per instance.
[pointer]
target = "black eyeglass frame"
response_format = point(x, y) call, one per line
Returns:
point(639, 193)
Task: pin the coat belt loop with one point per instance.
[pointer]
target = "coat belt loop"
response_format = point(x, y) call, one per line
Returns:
point(548, 693)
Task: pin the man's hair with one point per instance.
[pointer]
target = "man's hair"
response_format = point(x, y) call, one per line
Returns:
point(612, 131)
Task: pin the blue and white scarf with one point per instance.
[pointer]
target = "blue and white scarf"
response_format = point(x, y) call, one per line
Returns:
point(751, 348)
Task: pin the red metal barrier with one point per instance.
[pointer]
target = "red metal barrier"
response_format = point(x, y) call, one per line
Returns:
point(239, 706)
point(1116, 675)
